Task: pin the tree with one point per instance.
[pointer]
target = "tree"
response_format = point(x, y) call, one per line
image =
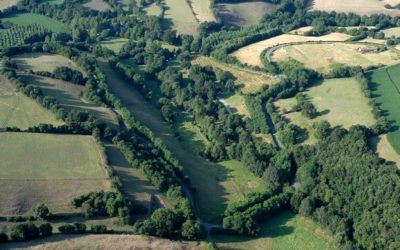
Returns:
point(3, 237)
point(45, 229)
point(192, 230)
point(41, 211)
point(23, 232)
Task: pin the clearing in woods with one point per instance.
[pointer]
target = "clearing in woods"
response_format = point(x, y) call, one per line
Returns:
point(341, 102)
point(251, 54)
point(381, 145)
point(385, 86)
point(243, 14)
point(99, 5)
point(153, 10)
point(114, 44)
point(216, 184)
point(322, 57)
point(18, 110)
point(4, 4)
point(281, 232)
point(25, 19)
point(181, 15)
point(62, 167)
point(392, 32)
point(362, 7)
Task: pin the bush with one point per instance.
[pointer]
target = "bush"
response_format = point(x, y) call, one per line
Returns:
point(24, 232)
point(41, 211)
point(192, 230)
point(45, 229)
point(3, 237)
point(98, 229)
point(76, 228)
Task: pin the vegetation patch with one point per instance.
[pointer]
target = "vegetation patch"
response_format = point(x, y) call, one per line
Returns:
point(202, 10)
point(48, 168)
point(4, 4)
point(99, 5)
point(284, 231)
point(251, 54)
point(245, 13)
point(237, 104)
point(181, 16)
point(114, 44)
point(381, 145)
point(26, 19)
point(362, 7)
point(18, 110)
point(392, 32)
point(153, 10)
point(322, 57)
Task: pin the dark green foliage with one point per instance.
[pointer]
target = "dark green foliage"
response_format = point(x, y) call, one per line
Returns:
point(23, 232)
point(75, 228)
point(98, 229)
point(69, 75)
point(192, 230)
point(45, 229)
point(41, 211)
point(3, 237)
point(162, 223)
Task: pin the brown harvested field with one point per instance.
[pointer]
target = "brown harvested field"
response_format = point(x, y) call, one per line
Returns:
point(251, 54)
point(99, 5)
point(385, 150)
point(4, 4)
point(362, 7)
point(251, 81)
point(105, 242)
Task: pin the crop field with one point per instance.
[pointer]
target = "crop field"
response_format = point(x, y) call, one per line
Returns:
point(341, 102)
point(284, 231)
point(385, 86)
point(392, 32)
point(181, 16)
point(243, 14)
point(114, 44)
point(61, 168)
point(251, 54)
point(18, 110)
point(381, 145)
point(250, 81)
point(110, 242)
point(362, 7)
point(29, 19)
point(203, 11)
point(44, 62)
point(153, 10)
point(99, 5)
point(4, 4)
point(321, 57)
point(70, 96)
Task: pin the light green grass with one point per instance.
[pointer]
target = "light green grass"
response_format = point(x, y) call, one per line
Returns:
point(44, 62)
point(29, 18)
point(99, 5)
point(203, 10)
point(153, 10)
point(282, 232)
point(181, 15)
point(392, 32)
point(4, 4)
point(114, 44)
point(237, 104)
point(18, 110)
point(385, 86)
point(56, 2)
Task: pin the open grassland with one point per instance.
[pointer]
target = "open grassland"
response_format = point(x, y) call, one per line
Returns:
point(373, 40)
point(321, 57)
point(18, 110)
point(99, 5)
point(4, 4)
point(282, 232)
point(29, 19)
point(106, 242)
point(70, 96)
point(44, 62)
point(385, 86)
point(114, 44)
point(392, 32)
point(203, 11)
point(237, 104)
point(245, 13)
point(341, 102)
point(153, 10)
point(48, 168)
point(381, 145)
point(134, 184)
point(250, 81)
point(181, 16)
point(216, 184)
point(362, 7)
point(301, 31)
point(251, 54)
point(55, 1)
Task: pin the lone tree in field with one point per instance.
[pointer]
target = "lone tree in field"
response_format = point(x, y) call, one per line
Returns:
point(41, 211)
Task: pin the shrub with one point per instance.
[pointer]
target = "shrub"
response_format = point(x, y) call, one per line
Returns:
point(45, 229)
point(41, 211)
point(3, 237)
point(98, 229)
point(23, 232)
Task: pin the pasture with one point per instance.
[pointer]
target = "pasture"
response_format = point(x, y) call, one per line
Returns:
point(114, 44)
point(26, 19)
point(249, 81)
point(181, 16)
point(284, 231)
point(202, 10)
point(250, 54)
point(322, 57)
point(245, 13)
point(362, 7)
point(153, 10)
point(44, 62)
point(70, 96)
point(381, 145)
point(237, 104)
point(99, 5)
point(48, 168)
point(110, 241)
point(18, 110)
point(392, 32)
point(340, 101)
point(4, 4)
point(301, 31)
point(385, 87)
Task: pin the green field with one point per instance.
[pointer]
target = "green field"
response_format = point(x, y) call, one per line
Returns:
point(18, 110)
point(385, 86)
point(99, 5)
point(153, 10)
point(48, 168)
point(181, 16)
point(282, 232)
point(339, 101)
point(4, 4)
point(29, 19)
point(44, 62)
point(114, 44)
point(392, 32)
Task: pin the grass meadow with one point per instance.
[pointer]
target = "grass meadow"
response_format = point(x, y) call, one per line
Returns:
point(362, 7)
point(181, 16)
point(153, 10)
point(382, 146)
point(114, 44)
point(99, 5)
point(18, 110)
point(385, 86)
point(392, 32)
point(4, 4)
point(25, 19)
point(48, 168)
point(44, 62)
point(202, 10)
point(282, 232)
